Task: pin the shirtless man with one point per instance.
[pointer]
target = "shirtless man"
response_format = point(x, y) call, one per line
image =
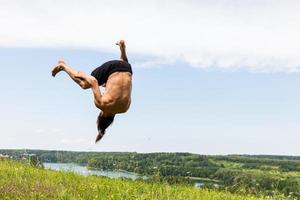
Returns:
point(115, 76)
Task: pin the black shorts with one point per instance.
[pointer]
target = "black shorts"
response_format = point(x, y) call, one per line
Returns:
point(104, 71)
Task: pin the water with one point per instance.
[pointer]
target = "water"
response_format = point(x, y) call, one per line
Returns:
point(198, 184)
point(82, 170)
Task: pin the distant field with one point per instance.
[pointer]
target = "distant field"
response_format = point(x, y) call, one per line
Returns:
point(21, 181)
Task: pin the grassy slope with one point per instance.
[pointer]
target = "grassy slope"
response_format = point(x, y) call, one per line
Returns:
point(20, 181)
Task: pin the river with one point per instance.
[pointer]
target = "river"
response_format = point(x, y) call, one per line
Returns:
point(72, 167)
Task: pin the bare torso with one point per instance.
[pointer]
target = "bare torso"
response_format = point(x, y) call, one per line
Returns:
point(117, 96)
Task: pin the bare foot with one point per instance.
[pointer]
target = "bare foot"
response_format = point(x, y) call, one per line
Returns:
point(92, 81)
point(121, 44)
point(59, 67)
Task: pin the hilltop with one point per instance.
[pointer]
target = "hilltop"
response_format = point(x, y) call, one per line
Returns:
point(22, 181)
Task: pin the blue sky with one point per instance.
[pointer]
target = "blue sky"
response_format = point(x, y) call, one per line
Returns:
point(210, 77)
point(174, 108)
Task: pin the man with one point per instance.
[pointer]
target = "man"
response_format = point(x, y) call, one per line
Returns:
point(115, 76)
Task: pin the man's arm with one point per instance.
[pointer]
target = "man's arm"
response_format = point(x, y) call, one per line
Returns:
point(97, 97)
point(122, 46)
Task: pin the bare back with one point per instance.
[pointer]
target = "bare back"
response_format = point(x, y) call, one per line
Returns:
point(117, 95)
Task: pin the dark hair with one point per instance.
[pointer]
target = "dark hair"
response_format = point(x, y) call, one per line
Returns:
point(102, 124)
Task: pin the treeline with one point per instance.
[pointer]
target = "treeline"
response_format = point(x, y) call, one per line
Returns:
point(163, 164)
point(284, 163)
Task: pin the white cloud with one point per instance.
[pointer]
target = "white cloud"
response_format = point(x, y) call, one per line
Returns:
point(260, 35)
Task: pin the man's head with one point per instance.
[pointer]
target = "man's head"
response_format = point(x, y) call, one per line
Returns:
point(104, 120)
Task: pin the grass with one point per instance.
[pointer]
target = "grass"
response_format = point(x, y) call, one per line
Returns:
point(21, 181)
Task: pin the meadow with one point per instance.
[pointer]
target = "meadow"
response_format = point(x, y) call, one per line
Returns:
point(22, 181)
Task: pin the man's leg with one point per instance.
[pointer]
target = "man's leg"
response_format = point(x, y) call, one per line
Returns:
point(122, 46)
point(82, 81)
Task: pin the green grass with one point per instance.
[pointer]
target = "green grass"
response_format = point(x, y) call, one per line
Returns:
point(21, 181)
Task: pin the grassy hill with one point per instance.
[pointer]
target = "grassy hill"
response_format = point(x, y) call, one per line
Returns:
point(21, 181)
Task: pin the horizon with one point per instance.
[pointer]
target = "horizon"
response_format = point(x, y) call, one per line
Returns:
point(80, 151)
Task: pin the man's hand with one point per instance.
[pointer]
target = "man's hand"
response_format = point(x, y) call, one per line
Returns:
point(61, 62)
point(121, 44)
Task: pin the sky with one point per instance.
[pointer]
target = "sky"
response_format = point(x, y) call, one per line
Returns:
point(210, 77)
